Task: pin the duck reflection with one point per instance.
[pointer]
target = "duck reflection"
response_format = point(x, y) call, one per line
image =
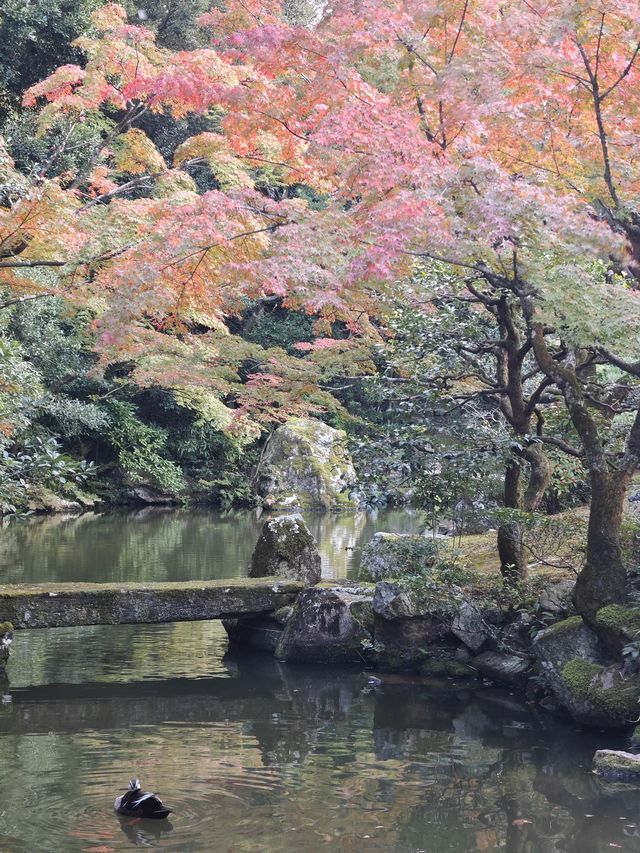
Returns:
point(144, 833)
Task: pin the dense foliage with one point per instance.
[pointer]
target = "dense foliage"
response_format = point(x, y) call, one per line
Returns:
point(228, 216)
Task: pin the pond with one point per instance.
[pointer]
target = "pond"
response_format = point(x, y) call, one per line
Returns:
point(254, 755)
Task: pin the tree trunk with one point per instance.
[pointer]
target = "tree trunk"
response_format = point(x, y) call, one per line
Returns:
point(513, 565)
point(603, 578)
point(540, 474)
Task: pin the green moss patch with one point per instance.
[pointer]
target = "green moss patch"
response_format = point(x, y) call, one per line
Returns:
point(623, 621)
point(578, 675)
point(570, 624)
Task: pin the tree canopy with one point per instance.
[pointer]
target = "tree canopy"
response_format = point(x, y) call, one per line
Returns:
point(321, 158)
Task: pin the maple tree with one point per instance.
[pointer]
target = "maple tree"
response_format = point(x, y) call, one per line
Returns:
point(497, 138)
point(175, 257)
point(500, 139)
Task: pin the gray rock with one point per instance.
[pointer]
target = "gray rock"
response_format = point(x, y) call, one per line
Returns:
point(565, 641)
point(556, 599)
point(392, 601)
point(616, 766)
point(583, 679)
point(507, 669)
point(306, 465)
point(405, 626)
point(286, 549)
point(469, 626)
point(152, 497)
point(392, 555)
point(328, 625)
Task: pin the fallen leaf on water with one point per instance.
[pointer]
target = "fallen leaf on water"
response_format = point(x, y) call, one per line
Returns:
point(520, 821)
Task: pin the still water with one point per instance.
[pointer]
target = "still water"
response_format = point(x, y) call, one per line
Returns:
point(155, 544)
point(254, 755)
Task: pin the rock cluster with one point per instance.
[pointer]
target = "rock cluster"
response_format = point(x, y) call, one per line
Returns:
point(390, 622)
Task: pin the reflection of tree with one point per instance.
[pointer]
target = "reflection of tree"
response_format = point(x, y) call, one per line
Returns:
point(118, 652)
point(341, 537)
point(156, 544)
point(147, 545)
point(297, 757)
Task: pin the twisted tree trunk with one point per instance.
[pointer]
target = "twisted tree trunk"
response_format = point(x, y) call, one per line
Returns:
point(602, 581)
point(511, 548)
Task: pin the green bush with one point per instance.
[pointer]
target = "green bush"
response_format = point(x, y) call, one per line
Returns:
point(39, 462)
point(140, 449)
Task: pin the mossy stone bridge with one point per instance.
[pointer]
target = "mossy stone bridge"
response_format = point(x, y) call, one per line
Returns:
point(64, 605)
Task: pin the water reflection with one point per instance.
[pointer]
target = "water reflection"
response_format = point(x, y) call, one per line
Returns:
point(255, 755)
point(159, 544)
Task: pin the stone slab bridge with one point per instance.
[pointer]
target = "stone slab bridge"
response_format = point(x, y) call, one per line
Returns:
point(64, 605)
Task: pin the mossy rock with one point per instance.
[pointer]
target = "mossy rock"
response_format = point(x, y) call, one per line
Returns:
point(306, 466)
point(581, 674)
point(442, 661)
point(42, 499)
point(566, 626)
point(616, 766)
point(327, 626)
point(600, 695)
point(286, 548)
point(59, 605)
point(620, 622)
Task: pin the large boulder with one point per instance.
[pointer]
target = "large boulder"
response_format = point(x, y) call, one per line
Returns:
point(328, 625)
point(406, 626)
point(393, 555)
point(579, 671)
point(306, 465)
point(286, 549)
point(6, 637)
